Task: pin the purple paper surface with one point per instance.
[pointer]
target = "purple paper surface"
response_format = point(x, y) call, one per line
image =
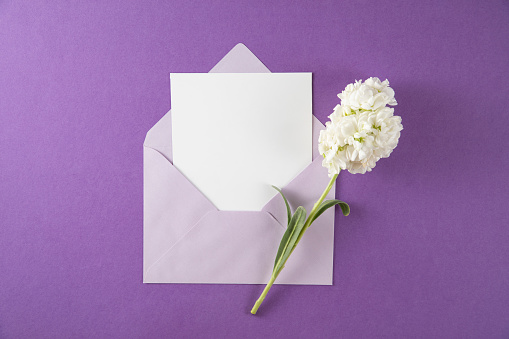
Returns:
point(424, 253)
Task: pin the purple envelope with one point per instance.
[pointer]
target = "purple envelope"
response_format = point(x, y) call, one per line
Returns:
point(186, 239)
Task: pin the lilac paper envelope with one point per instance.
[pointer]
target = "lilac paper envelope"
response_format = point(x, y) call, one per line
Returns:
point(187, 240)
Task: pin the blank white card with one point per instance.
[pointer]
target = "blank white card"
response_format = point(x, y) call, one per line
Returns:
point(236, 134)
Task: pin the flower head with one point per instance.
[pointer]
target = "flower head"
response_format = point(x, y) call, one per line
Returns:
point(362, 129)
point(370, 95)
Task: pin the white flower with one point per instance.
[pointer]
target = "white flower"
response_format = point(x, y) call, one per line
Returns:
point(370, 95)
point(356, 138)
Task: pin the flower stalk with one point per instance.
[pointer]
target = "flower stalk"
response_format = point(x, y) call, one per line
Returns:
point(280, 265)
point(362, 130)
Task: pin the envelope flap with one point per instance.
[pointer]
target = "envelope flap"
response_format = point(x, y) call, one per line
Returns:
point(171, 205)
point(159, 137)
point(240, 60)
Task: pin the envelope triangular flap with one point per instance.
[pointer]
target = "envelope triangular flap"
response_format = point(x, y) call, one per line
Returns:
point(240, 60)
point(168, 196)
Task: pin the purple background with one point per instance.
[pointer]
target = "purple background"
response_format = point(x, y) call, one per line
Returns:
point(424, 253)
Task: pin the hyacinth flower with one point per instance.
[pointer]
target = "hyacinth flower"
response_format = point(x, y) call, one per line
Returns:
point(362, 130)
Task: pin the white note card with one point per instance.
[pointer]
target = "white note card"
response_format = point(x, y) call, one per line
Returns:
point(236, 134)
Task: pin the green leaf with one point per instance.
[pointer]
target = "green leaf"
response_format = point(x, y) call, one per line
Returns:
point(330, 203)
point(286, 236)
point(288, 210)
point(290, 237)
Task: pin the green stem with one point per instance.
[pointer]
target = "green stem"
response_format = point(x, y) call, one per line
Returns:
point(322, 198)
point(264, 294)
point(312, 214)
point(275, 274)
